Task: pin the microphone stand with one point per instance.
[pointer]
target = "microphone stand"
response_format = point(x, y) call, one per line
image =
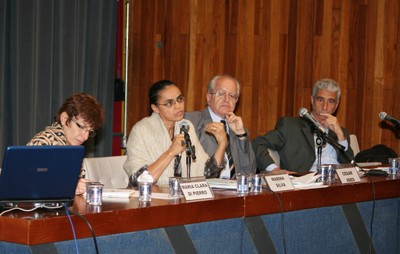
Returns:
point(397, 129)
point(190, 153)
point(341, 148)
point(320, 142)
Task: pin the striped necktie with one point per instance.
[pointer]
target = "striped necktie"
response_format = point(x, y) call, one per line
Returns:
point(229, 154)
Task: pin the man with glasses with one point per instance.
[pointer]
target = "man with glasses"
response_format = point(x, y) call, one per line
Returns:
point(295, 138)
point(222, 96)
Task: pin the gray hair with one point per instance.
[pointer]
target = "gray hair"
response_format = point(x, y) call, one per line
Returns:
point(327, 84)
point(213, 81)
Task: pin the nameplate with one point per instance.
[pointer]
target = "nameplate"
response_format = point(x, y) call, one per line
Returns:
point(348, 175)
point(196, 190)
point(279, 182)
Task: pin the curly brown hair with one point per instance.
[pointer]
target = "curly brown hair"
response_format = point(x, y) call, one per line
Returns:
point(84, 105)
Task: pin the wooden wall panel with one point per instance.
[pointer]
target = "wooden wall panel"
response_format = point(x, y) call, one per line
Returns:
point(277, 49)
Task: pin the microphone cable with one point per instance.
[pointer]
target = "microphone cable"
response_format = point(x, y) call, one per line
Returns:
point(282, 216)
point(30, 209)
point(73, 229)
point(356, 166)
point(373, 209)
point(68, 212)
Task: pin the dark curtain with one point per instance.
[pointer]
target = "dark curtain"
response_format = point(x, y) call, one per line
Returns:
point(50, 49)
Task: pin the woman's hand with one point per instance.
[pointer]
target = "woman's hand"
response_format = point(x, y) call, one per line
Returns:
point(178, 144)
point(81, 186)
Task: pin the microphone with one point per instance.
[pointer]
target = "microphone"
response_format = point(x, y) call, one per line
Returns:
point(304, 113)
point(385, 116)
point(184, 127)
point(190, 149)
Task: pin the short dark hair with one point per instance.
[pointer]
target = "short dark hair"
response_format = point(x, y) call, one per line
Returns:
point(155, 89)
point(84, 105)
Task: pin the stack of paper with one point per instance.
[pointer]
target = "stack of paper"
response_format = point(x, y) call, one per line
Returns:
point(307, 181)
point(219, 183)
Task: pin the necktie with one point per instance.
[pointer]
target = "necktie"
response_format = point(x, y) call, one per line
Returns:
point(229, 154)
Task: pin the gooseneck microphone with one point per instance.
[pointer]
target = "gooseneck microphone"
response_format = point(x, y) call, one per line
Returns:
point(385, 116)
point(184, 127)
point(190, 149)
point(303, 112)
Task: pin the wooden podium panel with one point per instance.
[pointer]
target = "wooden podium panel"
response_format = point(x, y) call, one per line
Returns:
point(335, 194)
point(114, 217)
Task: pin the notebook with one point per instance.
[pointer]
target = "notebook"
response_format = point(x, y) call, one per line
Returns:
point(33, 176)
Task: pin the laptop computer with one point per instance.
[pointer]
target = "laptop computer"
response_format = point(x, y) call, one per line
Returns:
point(40, 176)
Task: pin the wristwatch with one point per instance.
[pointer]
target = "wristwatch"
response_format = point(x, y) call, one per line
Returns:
point(241, 135)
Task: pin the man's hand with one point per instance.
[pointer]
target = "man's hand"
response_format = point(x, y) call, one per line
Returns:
point(218, 131)
point(235, 123)
point(333, 124)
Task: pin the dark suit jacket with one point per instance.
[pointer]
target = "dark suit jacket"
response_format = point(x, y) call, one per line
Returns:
point(242, 152)
point(293, 139)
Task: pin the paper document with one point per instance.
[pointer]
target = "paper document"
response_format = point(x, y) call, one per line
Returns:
point(218, 183)
point(307, 181)
point(368, 164)
point(128, 193)
point(118, 193)
point(158, 195)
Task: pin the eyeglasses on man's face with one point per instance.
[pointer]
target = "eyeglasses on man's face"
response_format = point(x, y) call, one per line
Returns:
point(322, 100)
point(91, 132)
point(222, 95)
point(170, 103)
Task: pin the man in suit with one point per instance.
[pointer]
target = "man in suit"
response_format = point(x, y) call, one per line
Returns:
point(222, 96)
point(295, 138)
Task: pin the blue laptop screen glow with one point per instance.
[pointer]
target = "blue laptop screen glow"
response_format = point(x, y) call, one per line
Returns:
point(40, 173)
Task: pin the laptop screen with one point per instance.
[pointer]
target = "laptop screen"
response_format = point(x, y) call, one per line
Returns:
point(40, 174)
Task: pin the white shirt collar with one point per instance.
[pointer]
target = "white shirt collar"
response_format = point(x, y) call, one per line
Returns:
point(214, 116)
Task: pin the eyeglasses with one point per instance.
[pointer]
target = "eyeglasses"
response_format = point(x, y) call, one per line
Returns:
point(170, 103)
point(92, 133)
point(222, 94)
point(322, 100)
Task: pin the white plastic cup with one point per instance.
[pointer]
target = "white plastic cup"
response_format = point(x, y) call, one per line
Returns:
point(256, 184)
point(242, 186)
point(145, 181)
point(327, 173)
point(394, 166)
point(323, 171)
point(174, 188)
point(94, 193)
point(145, 191)
point(331, 173)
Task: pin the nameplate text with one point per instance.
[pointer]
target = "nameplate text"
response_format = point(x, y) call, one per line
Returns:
point(348, 175)
point(279, 182)
point(196, 190)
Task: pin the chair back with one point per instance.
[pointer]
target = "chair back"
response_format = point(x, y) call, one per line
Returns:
point(354, 144)
point(275, 156)
point(107, 170)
